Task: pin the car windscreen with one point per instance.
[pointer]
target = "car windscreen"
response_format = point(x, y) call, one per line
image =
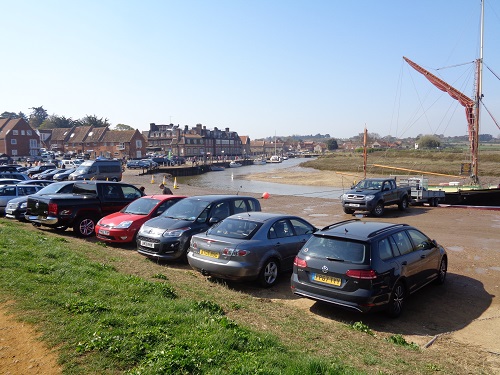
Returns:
point(187, 209)
point(235, 228)
point(142, 206)
point(336, 249)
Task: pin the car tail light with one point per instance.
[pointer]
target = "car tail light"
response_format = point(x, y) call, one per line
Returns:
point(299, 262)
point(362, 274)
point(53, 208)
point(234, 252)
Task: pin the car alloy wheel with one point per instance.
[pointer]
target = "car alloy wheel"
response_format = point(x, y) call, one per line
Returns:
point(85, 227)
point(269, 273)
point(397, 300)
point(378, 210)
point(443, 268)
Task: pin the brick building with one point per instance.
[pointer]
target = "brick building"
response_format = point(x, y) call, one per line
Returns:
point(18, 138)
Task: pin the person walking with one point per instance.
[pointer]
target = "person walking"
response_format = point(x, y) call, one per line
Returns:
point(165, 190)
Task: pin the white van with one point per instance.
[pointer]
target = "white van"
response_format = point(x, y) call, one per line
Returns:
point(105, 169)
point(67, 164)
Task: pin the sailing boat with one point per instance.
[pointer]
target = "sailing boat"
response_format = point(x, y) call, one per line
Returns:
point(275, 158)
point(475, 195)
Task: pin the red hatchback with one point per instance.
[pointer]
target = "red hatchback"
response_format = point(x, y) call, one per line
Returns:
point(122, 226)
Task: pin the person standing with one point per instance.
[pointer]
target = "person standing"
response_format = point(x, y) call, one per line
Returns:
point(165, 190)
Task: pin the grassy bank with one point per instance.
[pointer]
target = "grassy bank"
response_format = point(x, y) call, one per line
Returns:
point(109, 310)
point(435, 161)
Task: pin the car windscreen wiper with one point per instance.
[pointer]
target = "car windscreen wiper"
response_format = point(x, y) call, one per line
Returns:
point(335, 259)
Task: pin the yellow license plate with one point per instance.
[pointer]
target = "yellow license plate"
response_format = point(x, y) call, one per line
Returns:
point(327, 279)
point(208, 253)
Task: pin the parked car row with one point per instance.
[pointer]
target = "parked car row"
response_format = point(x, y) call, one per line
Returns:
point(358, 265)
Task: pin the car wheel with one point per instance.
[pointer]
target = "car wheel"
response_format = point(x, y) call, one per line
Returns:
point(403, 205)
point(269, 273)
point(397, 300)
point(85, 227)
point(443, 269)
point(378, 210)
point(348, 211)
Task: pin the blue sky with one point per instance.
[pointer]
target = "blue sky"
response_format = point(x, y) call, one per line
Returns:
point(259, 67)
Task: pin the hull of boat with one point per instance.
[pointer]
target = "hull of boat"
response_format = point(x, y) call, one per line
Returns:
point(259, 162)
point(478, 197)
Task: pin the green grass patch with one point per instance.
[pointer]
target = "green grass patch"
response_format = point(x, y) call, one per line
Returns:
point(108, 312)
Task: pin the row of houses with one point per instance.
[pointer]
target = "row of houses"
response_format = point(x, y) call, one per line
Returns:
point(18, 139)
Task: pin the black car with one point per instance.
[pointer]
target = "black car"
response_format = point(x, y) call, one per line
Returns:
point(367, 266)
point(64, 175)
point(167, 236)
point(16, 208)
point(39, 169)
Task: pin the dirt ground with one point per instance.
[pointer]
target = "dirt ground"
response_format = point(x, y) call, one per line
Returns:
point(465, 311)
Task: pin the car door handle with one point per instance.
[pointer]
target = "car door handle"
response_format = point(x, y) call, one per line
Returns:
point(423, 256)
point(404, 263)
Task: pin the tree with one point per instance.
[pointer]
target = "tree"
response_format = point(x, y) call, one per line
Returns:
point(94, 121)
point(55, 121)
point(123, 127)
point(428, 141)
point(485, 137)
point(37, 116)
point(12, 115)
point(332, 144)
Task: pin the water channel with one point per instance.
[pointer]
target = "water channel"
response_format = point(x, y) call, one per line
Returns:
point(230, 181)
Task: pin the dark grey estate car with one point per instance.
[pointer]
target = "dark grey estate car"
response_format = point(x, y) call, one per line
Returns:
point(167, 236)
point(367, 266)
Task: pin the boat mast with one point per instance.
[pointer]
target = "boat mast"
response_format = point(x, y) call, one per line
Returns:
point(479, 95)
point(365, 140)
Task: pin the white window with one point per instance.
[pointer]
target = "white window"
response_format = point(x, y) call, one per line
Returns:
point(22, 132)
point(14, 152)
point(28, 132)
point(15, 132)
point(33, 143)
point(138, 143)
point(13, 141)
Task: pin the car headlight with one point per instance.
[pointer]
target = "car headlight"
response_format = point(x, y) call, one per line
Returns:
point(343, 197)
point(124, 224)
point(174, 232)
point(369, 197)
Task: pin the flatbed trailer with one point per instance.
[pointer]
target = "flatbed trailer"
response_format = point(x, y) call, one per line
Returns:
point(420, 192)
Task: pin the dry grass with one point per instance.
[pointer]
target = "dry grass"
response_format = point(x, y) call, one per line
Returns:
point(443, 162)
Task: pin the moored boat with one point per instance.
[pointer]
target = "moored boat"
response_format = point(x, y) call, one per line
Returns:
point(217, 168)
point(235, 164)
point(259, 161)
point(474, 194)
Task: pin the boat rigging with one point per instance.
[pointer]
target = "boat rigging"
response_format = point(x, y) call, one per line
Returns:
point(472, 106)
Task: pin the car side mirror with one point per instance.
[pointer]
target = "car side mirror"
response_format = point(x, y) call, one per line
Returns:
point(213, 220)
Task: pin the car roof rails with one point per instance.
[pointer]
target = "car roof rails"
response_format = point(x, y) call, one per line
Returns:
point(339, 223)
point(379, 231)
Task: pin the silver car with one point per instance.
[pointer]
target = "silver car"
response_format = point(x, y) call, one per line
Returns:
point(8, 192)
point(250, 246)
